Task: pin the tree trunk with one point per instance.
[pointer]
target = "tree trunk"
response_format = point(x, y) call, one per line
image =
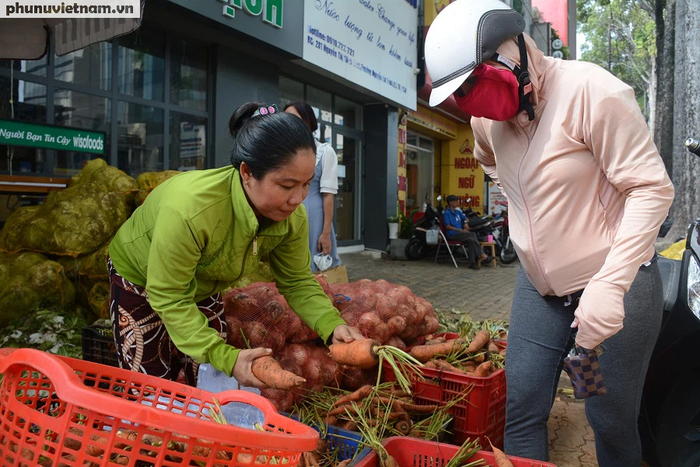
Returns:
point(665, 63)
point(686, 166)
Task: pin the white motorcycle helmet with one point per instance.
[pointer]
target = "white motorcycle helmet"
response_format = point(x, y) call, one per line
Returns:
point(465, 34)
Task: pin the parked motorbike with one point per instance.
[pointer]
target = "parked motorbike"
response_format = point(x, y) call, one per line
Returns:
point(501, 236)
point(670, 413)
point(417, 246)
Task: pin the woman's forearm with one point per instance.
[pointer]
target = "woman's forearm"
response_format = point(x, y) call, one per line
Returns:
point(328, 208)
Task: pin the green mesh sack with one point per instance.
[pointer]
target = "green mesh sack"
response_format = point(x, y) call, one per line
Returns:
point(147, 181)
point(77, 220)
point(29, 281)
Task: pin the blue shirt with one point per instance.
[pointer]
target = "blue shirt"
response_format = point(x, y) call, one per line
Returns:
point(455, 219)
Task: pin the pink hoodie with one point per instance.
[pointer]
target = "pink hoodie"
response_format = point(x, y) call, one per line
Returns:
point(586, 188)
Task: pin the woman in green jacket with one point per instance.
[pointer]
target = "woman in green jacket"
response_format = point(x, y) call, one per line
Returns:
point(199, 232)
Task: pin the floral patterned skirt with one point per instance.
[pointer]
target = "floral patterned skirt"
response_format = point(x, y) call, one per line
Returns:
point(142, 342)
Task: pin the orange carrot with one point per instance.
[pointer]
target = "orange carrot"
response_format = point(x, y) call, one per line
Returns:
point(437, 340)
point(493, 348)
point(360, 353)
point(358, 395)
point(502, 353)
point(269, 371)
point(500, 457)
point(403, 427)
point(424, 353)
point(344, 463)
point(444, 366)
point(480, 341)
point(484, 369)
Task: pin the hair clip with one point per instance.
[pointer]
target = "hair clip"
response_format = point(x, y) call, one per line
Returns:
point(270, 109)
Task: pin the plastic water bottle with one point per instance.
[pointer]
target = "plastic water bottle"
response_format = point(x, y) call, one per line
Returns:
point(236, 413)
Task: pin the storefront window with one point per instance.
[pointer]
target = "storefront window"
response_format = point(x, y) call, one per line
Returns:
point(188, 142)
point(188, 75)
point(91, 66)
point(139, 138)
point(290, 91)
point(347, 113)
point(80, 110)
point(29, 105)
point(321, 102)
point(34, 67)
point(29, 100)
point(142, 64)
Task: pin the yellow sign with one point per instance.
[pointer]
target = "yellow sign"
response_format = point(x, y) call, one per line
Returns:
point(462, 173)
point(432, 8)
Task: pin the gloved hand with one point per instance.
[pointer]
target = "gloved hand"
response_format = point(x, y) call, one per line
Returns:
point(600, 313)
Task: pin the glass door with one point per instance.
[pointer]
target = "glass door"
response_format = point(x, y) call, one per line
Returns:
point(419, 171)
point(347, 202)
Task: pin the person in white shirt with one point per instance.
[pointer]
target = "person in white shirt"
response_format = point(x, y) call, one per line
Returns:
point(320, 201)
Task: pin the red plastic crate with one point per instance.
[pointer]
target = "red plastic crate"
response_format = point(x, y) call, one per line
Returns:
point(66, 412)
point(481, 414)
point(410, 452)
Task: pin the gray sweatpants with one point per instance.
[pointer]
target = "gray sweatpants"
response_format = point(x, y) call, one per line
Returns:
point(540, 337)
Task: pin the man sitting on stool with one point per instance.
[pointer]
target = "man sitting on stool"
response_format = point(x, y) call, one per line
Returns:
point(457, 229)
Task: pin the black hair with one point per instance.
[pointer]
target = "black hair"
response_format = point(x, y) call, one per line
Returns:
point(266, 142)
point(306, 113)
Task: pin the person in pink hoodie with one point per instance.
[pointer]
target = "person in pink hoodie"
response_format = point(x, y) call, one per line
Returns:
point(587, 192)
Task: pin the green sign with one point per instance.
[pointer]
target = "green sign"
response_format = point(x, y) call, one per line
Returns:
point(15, 133)
point(272, 9)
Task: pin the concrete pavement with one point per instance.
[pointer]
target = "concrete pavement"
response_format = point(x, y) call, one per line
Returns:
point(484, 294)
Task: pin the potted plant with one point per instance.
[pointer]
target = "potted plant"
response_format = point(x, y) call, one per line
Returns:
point(398, 244)
point(393, 227)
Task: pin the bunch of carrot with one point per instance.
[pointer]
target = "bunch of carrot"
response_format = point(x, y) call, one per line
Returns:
point(477, 356)
point(376, 412)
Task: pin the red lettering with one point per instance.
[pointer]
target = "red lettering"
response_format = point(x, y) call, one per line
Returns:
point(402, 183)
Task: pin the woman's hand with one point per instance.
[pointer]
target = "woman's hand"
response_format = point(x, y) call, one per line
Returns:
point(600, 313)
point(344, 334)
point(242, 369)
point(324, 243)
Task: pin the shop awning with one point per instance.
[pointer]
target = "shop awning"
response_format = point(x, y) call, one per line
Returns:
point(27, 38)
point(449, 106)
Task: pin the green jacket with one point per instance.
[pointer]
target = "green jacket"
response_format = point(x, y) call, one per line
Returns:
point(194, 236)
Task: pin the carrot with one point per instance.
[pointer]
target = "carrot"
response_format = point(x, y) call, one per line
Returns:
point(469, 367)
point(479, 358)
point(424, 353)
point(484, 369)
point(344, 463)
point(341, 409)
point(480, 341)
point(403, 427)
point(269, 371)
point(493, 348)
point(437, 340)
point(444, 366)
point(330, 420)
point(358, 395)
point(413, 408)
point(500, 457)
point(502, 353)
point(360, 353)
